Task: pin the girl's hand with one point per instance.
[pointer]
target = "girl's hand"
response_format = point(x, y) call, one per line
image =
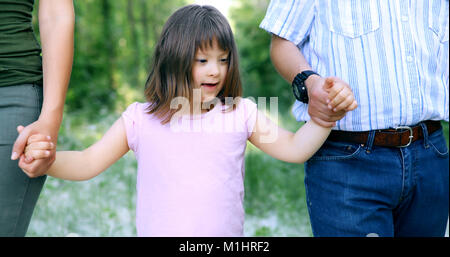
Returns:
point(44, 127)
point(340, 95)
point(38, 147)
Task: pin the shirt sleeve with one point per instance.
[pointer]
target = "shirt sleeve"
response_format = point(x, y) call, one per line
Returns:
point(131, 120)
point(250, 112)
point(289, 19)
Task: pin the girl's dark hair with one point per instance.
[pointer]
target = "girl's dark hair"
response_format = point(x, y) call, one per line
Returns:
point(188, 29)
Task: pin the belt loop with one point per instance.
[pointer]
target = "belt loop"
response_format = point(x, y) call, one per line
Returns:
point(370, 139)
point(425, 134)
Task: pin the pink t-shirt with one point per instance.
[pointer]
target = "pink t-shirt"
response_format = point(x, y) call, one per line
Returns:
point(190, 178)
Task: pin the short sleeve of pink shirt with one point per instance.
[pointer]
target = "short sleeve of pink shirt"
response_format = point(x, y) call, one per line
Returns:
point(250, 114)
point(131, 120)
point(190, 183)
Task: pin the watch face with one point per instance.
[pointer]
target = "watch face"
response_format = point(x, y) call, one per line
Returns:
point(299, 88)
point(296, 91)
point(300, 93)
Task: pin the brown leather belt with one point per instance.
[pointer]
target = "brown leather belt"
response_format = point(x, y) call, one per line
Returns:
point(400, 137)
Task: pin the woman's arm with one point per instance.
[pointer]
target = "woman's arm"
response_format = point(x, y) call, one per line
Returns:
point(56, 26)
point(84, 165)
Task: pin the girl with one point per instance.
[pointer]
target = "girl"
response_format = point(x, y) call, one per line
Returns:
point(190, 136)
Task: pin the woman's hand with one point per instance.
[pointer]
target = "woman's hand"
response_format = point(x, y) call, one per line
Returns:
point(35, 168)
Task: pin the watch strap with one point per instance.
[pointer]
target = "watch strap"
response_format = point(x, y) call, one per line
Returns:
point(298, 85)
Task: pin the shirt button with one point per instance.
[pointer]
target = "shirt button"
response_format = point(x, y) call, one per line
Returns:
point(409, 59)
point(405, 18)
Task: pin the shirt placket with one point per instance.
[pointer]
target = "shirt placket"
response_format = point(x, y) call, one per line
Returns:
point(410, 60)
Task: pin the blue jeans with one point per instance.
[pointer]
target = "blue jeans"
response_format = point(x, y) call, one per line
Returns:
point(364, 190)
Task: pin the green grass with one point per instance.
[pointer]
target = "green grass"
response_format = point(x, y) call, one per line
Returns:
point(105, 206)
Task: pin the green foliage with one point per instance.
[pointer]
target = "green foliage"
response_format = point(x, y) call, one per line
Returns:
point(114, 41)
point(259, 76)
point(113, 44)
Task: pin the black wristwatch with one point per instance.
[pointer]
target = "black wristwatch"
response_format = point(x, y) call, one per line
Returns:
point(299, 87)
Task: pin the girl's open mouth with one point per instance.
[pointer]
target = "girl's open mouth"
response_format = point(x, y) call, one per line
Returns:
point(209, 84)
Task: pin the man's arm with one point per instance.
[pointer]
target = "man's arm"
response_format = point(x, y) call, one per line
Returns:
point(56, 25)
point(289, 61)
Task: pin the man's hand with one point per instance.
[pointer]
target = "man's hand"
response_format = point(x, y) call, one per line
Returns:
point(289, 61)
point(35, 168)
point(319, 102)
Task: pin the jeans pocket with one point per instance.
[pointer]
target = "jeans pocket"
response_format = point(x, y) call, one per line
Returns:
point(438, 18)
point(438, 144)
point(19, 105)
point(349, 18)
point(333, 151)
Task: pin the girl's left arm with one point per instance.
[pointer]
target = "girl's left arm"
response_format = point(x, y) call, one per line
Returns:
point(302, 145)
point(287, 146)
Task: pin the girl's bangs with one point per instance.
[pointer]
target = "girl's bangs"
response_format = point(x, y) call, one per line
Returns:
point(210, 31)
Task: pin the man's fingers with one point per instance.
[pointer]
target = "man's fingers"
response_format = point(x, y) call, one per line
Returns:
point(323, 123)
point(328, 115)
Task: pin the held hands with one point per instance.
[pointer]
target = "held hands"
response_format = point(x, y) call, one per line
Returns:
point(340, 96)
point(38, 155)
point(329, 100)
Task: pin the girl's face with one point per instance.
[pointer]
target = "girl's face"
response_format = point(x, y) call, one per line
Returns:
point(209, 71)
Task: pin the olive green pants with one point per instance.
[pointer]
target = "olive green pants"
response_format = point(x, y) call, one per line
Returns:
point(19, 105)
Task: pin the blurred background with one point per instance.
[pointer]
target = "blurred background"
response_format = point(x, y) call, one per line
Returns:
point(113, 45)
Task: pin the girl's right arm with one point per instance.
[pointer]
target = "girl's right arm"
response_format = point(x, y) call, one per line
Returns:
point(83, 165)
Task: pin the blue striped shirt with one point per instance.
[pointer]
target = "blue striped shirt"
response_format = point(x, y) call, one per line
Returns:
point(393, 54)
